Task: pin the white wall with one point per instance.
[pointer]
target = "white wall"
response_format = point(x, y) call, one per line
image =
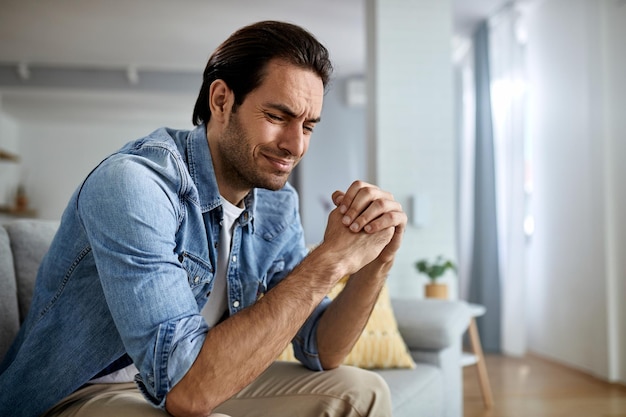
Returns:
point(614, 76)
point(576, 198)
point(411, 125)
point(62, 136)
point(336, 157)
point(59, 156)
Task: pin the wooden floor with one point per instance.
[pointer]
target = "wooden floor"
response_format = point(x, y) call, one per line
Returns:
point(535, 387)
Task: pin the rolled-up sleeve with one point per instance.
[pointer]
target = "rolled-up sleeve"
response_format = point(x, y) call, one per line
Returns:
point(130, 209)
point(305, 342)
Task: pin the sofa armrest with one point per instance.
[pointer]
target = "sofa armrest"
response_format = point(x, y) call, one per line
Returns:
point(30, 240)
point(433, 331)
point(431, 324)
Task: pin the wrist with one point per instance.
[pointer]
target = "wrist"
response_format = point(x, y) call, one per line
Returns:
point(330, 262)
point(376, 270)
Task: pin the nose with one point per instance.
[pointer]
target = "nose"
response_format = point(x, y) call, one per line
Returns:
point(293, 140)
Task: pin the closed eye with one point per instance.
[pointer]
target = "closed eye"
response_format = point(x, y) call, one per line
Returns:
point(274, 117)
point(307, 128)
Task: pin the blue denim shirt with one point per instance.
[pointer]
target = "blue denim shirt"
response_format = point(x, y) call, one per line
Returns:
point(132, 265)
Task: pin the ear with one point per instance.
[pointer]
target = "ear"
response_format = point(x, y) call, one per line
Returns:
point(221, 99)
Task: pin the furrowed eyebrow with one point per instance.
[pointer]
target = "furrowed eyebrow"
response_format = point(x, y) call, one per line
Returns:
point(286, 110)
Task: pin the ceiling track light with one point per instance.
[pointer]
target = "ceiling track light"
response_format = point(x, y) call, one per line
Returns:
point(23, 71)
point(132, 75)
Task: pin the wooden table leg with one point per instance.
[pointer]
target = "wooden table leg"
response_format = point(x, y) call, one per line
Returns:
point(477, 350)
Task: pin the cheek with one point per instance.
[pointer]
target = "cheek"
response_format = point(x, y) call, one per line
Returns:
point(305, 146)
point(257, 129)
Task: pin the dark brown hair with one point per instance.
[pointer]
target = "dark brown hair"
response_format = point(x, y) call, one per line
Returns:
point(240, 61)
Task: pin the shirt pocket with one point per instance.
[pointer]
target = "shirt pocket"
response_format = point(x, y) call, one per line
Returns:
point(200, 273)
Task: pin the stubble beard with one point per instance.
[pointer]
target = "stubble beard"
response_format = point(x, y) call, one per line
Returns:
point(240, 167)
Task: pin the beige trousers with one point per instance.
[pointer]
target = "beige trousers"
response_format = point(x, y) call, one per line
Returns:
point(284, 389)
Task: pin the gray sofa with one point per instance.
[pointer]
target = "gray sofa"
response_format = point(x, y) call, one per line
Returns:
point(432, 329)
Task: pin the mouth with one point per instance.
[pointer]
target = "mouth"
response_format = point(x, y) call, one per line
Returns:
point(280, 164)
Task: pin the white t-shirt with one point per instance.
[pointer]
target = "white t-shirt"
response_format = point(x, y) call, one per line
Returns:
point(217, 303)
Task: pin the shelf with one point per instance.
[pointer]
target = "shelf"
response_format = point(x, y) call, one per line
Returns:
point(8, 156)
point(12, 211)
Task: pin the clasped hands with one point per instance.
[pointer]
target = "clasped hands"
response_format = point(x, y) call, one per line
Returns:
point(366, 226)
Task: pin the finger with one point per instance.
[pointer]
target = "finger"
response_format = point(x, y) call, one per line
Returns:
point(350, 194)
point(337, 197)
point(373, 211)
point(369, 203)
point(390, 250)
point(381, 214)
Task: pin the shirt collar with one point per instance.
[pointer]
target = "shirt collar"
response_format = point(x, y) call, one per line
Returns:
point(202, 171)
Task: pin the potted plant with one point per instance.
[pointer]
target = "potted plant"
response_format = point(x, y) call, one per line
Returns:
point(434, 270)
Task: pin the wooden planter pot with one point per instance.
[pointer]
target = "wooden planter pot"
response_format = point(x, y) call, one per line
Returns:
point(437, 291)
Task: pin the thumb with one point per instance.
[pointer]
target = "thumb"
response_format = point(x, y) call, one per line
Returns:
point(337, 197)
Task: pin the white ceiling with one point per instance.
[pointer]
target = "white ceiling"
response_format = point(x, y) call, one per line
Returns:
point(179, 35)
point(165, 35)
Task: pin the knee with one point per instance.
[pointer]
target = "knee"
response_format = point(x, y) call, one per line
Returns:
point(363, 379)
point(365, 390)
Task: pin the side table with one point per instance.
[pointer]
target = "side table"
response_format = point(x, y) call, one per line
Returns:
point(475, 355)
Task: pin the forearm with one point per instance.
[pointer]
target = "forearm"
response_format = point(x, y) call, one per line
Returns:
point(343, 321)
point(240, 348)
point(235, 352)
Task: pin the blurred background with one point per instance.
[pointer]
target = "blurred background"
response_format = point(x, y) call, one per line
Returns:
point(498, 125)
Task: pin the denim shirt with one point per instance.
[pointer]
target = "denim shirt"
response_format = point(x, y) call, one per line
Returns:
point(132, 265)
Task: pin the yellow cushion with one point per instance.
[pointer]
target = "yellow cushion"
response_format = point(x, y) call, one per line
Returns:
point(380, 345)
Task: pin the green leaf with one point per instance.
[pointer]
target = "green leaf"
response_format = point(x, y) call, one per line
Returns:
point(436, 268)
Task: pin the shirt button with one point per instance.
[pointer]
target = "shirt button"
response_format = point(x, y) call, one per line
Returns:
point(235, 304)
point(196, 280)
point(235, 258)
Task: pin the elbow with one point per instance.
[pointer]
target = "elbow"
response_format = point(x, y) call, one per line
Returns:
point(186, 410)
point(179, 405)
point(330, 367)
point(330, 362)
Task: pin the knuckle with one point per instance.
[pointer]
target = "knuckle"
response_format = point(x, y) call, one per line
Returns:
point(352, 212)
point(379, 204)
point(371, 191)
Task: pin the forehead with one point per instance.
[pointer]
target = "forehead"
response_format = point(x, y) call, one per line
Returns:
point(300, 89)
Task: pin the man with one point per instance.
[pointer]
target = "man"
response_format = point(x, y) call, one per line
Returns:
point(181, 260)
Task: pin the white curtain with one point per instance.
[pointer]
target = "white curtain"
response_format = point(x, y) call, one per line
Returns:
point(513, 181)
point(466, 128)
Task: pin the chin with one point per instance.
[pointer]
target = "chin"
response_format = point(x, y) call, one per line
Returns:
point(272, 181)
point(274, 185)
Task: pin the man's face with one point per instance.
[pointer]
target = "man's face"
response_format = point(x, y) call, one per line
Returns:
point(269, 132)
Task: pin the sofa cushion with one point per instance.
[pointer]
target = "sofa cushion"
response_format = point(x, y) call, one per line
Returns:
point(380, 345)
point(30, 240)
point(415, 392)
point(9, 312)
point(431, 323)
